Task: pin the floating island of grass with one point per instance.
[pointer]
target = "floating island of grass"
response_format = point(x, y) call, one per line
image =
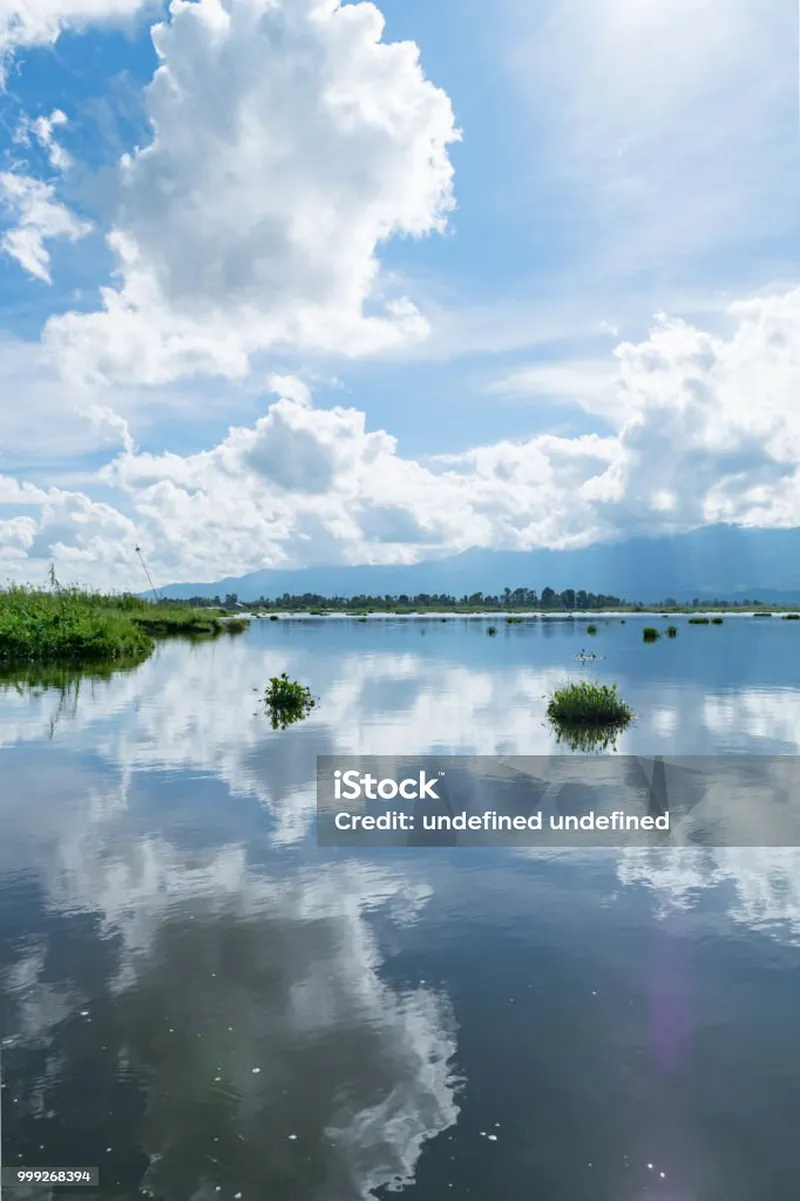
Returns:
point(287, 701)
point(588, 716)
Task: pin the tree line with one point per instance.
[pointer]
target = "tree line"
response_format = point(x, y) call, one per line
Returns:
point(568, 600)
point(516, 598)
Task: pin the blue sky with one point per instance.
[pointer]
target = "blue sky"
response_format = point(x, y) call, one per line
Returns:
point(290, 282)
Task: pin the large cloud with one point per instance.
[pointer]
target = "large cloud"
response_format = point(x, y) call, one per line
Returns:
point(288, 143)
point(304, 485)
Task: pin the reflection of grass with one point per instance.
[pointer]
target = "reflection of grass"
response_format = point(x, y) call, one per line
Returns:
point(586, 739)
point(62, 676)
point(287, 701)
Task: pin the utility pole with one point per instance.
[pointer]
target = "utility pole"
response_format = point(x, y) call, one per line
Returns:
point(147, 573)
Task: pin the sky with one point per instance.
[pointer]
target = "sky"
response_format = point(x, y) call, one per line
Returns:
point(295, 282)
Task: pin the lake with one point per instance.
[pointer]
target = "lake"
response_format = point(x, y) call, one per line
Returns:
point(203, 1003)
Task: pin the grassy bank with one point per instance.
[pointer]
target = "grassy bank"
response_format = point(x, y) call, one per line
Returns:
point(70, 626)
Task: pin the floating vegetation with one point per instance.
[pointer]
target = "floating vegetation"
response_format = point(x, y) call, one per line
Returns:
point(361, 620)
point(762, 613)
point(491, 631)
point(591, 629)
point(791, 617)
point(273, 616)
point(672, 631)
point(650, 634)
point(716, 621)
point(588, 716)
point(699, 621)
point(287, 701)
point(513, 621)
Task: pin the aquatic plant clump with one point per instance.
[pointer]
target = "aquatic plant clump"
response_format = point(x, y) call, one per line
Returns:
point(287, 701)
point(583, 703)
point(591, 629)
point(650, 634)
point(699, 621)
point(672, 631)
point(716, 621)
point(492, 631)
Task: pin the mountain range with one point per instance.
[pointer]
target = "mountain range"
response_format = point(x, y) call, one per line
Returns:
point(721, 561)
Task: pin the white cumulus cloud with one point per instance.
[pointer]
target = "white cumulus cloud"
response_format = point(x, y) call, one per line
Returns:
point(304, 485)
point(289, 142)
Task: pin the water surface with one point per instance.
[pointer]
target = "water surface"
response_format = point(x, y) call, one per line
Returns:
point(203, 1003)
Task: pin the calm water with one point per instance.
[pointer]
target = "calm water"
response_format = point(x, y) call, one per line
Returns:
point(203, 1003)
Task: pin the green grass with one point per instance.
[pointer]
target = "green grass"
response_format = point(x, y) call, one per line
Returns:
point(591, 629)
point(514, 621)
point(672, 631)
point(699, 621)
point(650, 634)
point(763, 613)
point(791, 617)
point(588, 716)
point(71, 626)
point(716, 621)
point(287, 701)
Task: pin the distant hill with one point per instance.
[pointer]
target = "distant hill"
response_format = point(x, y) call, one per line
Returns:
point(721, 561)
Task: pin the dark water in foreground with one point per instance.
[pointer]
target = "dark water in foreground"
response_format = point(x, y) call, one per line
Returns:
point(201, 1002)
